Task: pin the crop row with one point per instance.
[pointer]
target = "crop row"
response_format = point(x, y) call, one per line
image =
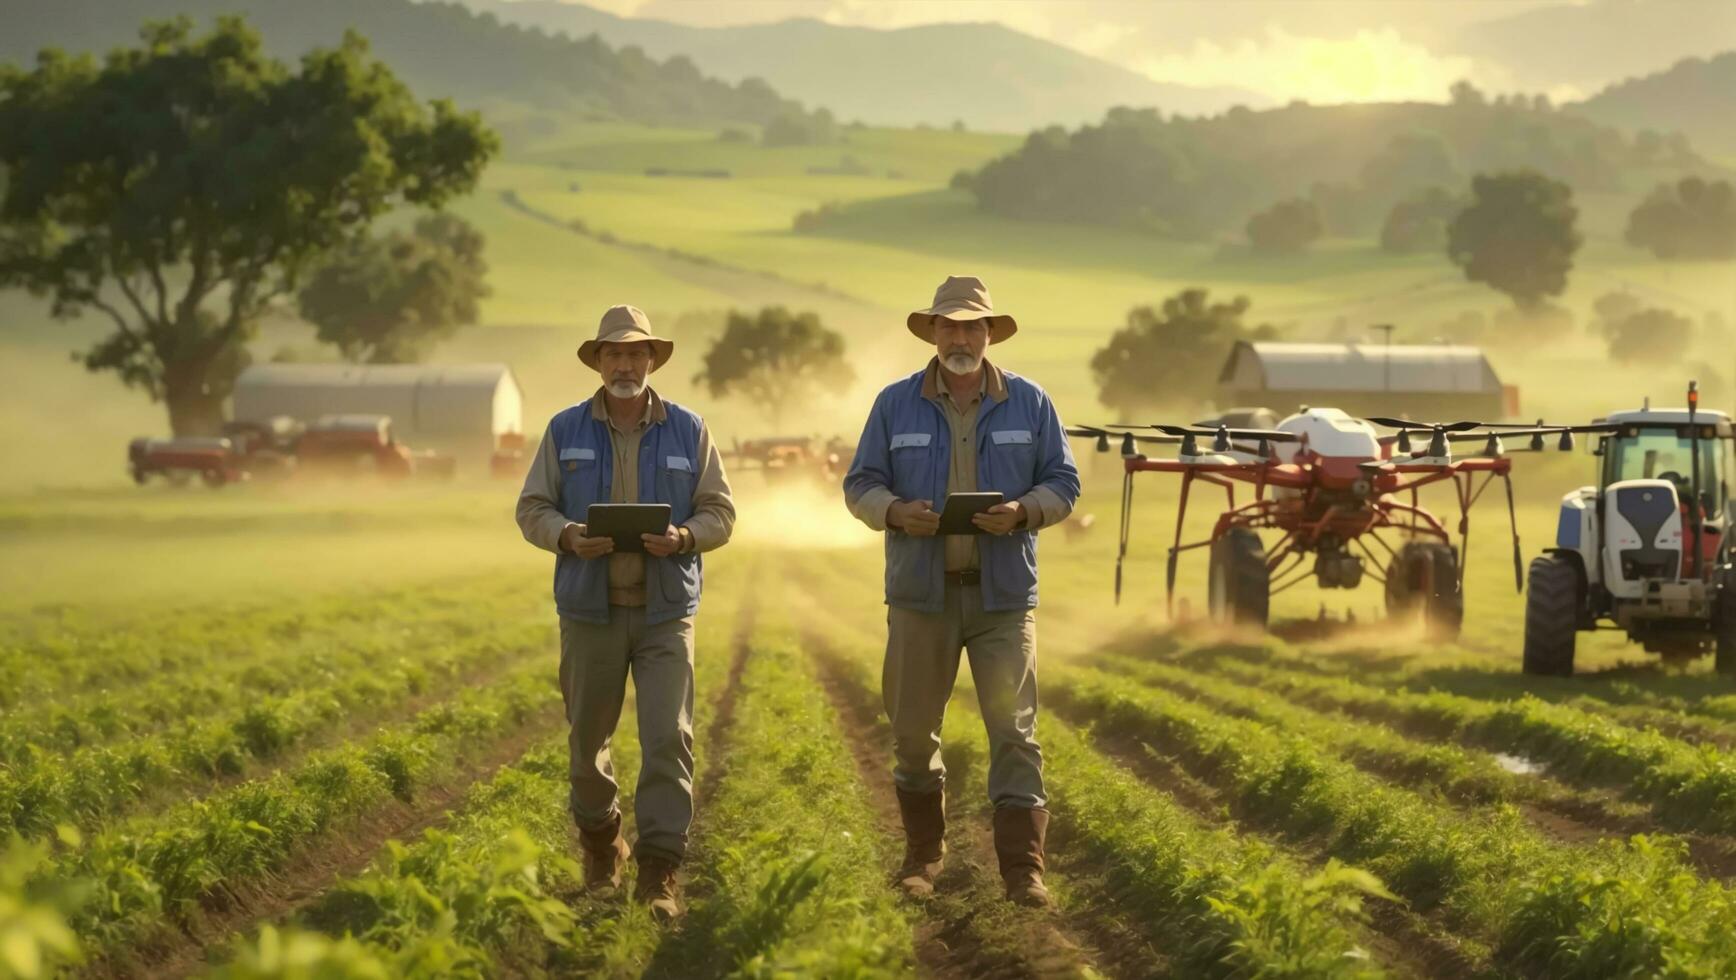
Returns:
point(73, 686)
point(1215, 903)
point(1686, 786)
point(495, 891)
point(97, 783)
point(790, 870)
point(153, 873)
point(1625, 909)
point(1466, 776)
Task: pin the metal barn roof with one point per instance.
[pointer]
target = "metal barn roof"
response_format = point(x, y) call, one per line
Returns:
point(426, 399)
point(1433, 369)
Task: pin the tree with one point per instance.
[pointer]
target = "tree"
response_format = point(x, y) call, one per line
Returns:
point(182, 186)
point(1409, 162)
point(1651, 336)
point(1518, 235)
point(1611, 309)
point(389, 298)
point(1286, 228)
point(1418, 223)
point(775, 359)
point(1170, 356)
point(1693, 219)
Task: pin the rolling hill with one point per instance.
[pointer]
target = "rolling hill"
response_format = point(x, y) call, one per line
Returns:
point(991, 77)
point(440, 49)
point(1696, 97)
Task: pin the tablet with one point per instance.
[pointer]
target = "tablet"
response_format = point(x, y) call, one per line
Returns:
point(625, 523)
point(955, 516)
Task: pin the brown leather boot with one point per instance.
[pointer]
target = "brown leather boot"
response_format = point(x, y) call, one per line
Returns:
point(1019, 833)
point(656, 888)
point(924, 841)
point(605, 853)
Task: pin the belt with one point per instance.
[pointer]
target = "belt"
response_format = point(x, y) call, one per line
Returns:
point(969, 576)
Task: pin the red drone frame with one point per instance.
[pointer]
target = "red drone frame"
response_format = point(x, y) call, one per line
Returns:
point(1335, 485)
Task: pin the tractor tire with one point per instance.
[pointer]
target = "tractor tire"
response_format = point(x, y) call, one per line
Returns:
point(1724, 624)
point(1240, 591)
point(1424, 578)
point(214, 478)
point(139, 476)
point(1552, 602)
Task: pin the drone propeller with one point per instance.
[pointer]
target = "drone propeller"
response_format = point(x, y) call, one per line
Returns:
point(1128, 439)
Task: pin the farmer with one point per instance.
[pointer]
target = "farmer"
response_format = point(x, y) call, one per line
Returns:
point(628, 612)
point(962, 424)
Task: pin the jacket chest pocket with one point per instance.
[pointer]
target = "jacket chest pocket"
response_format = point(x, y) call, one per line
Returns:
point(912, 464)
point(1014, 455)
point(675, 482)
point(578, 469)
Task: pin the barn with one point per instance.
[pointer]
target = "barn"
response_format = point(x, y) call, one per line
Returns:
point(462, 409)
point(1436, 382)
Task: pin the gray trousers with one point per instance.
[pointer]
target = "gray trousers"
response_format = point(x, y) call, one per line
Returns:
point(595, 660)
point(922, 653)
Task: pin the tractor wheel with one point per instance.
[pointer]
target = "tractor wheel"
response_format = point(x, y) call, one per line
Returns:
point(1240, 589)
point(214, 478)
point(1424, 577)
point(139, 476)
point(1552, 602)
point(1724, 623)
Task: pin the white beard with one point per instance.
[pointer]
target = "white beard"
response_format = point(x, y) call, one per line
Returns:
point(626, 389)
point(960, 363)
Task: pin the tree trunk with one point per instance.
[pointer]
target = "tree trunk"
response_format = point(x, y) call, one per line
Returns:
point(195, 405)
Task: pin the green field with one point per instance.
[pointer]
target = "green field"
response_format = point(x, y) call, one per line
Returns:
point(687, 249)
point(279, 729)
point(343, 671)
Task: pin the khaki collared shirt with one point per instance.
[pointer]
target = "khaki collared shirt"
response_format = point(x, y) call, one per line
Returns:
point(541, 520)
point(961, 473)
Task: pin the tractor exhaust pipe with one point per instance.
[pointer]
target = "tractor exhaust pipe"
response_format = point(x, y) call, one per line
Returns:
point(1694, 478)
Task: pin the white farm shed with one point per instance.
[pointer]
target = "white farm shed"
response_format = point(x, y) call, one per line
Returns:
point(1433, 382)
point(457, 408)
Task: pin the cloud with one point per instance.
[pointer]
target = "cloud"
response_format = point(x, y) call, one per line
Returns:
point(1366, 66)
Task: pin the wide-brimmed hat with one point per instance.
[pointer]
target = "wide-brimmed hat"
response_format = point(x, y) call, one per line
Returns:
point(626, 325)
point(962, 298)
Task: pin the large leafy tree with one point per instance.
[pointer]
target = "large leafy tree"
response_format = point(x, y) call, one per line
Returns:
point(1169, 357)
point(1518, 234)
point(1691, 219)
point(389, 298)
point(775, 359)
point(182, 186)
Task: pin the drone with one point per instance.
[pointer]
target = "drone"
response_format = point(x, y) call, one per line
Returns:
point(1335, 489)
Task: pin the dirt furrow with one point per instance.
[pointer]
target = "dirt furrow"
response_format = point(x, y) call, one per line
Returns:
point(968, 929)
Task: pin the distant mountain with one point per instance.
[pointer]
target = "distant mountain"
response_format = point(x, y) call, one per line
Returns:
point(991, 77)
point(1586, 44)
point(439, 49)
point(1695, 96)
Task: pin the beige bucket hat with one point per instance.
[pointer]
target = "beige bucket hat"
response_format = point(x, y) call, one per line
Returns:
point(962, 298)
point(626, 325)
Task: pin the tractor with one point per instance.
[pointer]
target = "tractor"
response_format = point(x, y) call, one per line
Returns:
point(1622, 559)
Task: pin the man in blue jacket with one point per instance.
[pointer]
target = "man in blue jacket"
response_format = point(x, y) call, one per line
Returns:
point(962, 425)
point(625, 611)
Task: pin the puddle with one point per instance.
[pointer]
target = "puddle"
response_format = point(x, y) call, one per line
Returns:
point(1519, 764)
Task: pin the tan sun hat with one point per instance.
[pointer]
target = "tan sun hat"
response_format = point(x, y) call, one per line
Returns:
point(962, 298)
point(626, 325)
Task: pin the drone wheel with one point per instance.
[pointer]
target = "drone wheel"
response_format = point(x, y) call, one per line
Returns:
point(1241, 585)
point(1551, 616)
point(1424, 577)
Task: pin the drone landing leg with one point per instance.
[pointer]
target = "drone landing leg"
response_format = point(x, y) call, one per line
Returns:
point(1175, 548)
point(1126, 525)
point(1513, 522)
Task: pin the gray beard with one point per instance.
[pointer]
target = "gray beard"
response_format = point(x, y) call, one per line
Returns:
point(961, 364)
point(626, 389)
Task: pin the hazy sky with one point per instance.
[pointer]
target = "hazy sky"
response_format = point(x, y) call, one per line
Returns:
point(1320, 50)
